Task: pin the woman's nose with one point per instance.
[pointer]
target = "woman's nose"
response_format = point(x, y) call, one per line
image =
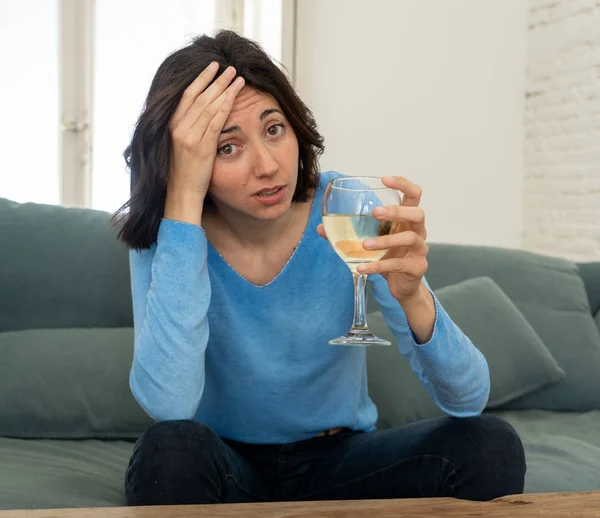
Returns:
point(264, 163)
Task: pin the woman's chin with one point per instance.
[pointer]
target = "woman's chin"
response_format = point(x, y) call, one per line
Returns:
point(272, 213)
point(271, 209)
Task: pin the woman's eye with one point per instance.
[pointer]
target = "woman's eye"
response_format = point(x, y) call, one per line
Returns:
point(275, 130)
point(227, 149)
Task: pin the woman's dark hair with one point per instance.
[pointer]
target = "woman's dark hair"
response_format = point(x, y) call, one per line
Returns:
point(148, 155)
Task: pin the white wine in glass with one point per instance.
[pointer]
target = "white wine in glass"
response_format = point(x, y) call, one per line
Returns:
point(346, 232)
point(348, 220)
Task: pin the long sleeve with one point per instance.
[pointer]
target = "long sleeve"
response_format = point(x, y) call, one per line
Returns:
point(451, 368)
point(171, 295)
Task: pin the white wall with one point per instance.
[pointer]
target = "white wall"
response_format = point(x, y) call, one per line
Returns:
point(562, 161)
point(429, 89)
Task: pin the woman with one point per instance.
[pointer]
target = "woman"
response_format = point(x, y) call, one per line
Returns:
point(236, 294)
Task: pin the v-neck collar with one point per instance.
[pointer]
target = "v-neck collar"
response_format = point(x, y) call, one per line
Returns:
point(314, 211)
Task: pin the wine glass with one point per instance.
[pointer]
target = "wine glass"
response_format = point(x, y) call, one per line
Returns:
point(348, 220)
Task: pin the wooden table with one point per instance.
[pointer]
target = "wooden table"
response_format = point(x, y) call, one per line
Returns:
point(545, 504)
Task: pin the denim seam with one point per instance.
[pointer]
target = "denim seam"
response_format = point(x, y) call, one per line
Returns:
point(376, 472)
point(450, 475)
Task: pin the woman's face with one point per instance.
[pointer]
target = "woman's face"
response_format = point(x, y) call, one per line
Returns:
point(256, 168)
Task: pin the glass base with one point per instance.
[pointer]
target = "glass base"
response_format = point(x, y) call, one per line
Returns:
point(360, 338)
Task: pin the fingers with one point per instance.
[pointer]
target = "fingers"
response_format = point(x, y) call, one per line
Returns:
point(214, 126)
point(401, 214)
point(219, 109)
point(193, 91)
point(413, 266)
point(220, 84)
point(207, 97)
point(409, 239)
point(321, 231)
point(412, 192)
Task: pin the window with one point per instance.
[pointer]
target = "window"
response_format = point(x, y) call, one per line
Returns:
point(128, 54)
point(263, 23)
point(29, 134)
point(78, 75)
point(132, 39)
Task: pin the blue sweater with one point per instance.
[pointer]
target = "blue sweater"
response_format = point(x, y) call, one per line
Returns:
point(253, 362)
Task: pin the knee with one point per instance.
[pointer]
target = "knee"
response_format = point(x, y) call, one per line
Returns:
point(496, 455)
point(170, 436)
point(176, 431)
point(163, 458)
point(173, 446)
point(497, 438)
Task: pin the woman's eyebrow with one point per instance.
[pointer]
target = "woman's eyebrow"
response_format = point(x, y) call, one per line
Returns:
point(268, 112)
point(231, 129)
point(263, 116)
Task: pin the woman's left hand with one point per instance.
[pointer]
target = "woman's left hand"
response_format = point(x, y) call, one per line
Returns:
point(405, 263)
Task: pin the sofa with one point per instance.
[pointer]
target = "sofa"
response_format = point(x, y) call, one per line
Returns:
point(68, 421)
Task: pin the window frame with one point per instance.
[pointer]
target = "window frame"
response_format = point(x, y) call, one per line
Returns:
point(76, 79)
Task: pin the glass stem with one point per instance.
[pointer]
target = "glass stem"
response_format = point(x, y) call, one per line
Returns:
point(359, 322)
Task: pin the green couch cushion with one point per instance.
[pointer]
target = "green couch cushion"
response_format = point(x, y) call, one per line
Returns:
point(46, 474)
point(562, 449)
point(551, 295)
point(68, 383)
point(590, 273)
point(519, 362)
point(61, 267)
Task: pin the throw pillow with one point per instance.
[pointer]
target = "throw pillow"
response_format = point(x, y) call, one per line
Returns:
point(519, 362)
point(552, 297)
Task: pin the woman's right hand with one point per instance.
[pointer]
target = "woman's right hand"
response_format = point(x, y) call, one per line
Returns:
point(195, 128)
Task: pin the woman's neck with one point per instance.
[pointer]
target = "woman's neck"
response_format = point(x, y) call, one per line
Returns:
point(246, 232)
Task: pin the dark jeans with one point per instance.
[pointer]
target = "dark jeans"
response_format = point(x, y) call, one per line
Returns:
point(185, 462)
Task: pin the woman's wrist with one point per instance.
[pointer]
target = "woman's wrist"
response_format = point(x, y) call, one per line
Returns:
point(184, 205)
point(420, 313)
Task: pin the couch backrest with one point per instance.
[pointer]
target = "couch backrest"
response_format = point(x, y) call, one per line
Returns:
point(61, 267)
point(450, 264)
point(590, 273)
